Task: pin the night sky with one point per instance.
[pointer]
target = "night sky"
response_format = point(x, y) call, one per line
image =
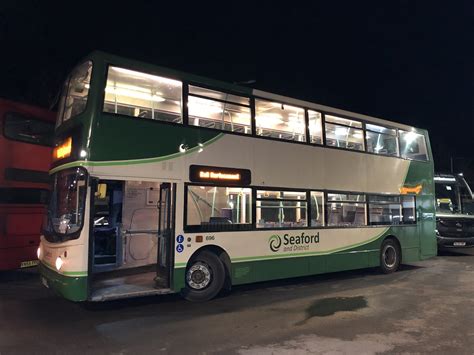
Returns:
point(406, 61)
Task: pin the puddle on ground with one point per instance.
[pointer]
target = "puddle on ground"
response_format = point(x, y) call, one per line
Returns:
point(329, 306)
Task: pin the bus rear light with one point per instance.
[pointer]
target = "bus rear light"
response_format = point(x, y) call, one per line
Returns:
point(199, 239)
point(63, 150)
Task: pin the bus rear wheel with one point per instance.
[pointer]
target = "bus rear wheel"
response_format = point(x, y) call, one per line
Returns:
point(389, 256)
point(204, 278)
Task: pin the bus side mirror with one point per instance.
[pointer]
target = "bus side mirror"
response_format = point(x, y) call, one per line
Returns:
point(101, 191)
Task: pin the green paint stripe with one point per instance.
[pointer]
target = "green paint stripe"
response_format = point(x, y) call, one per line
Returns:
point(134, 161)
point(310, 253)
point(65, 273)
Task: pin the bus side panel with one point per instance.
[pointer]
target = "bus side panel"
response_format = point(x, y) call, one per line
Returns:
point(428, 244)
point(358, 257)
point(178, 282)
point(421, 174)
point(347, 261)
point(264, 270)
point(409, 238)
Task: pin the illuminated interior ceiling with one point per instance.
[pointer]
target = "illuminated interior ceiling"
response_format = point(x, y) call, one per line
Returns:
point(273, 115)
point(130, 88)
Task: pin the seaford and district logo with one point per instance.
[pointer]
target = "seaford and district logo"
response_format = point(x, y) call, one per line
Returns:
point(299, 242)
point(274, 242)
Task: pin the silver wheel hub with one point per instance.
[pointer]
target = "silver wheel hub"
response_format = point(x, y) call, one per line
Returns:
point(199, 276)
point(390, 256)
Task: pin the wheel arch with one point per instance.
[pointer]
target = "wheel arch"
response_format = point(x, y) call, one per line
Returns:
point(397, 241)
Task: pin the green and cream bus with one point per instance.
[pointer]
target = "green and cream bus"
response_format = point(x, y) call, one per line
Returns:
point(167, 182)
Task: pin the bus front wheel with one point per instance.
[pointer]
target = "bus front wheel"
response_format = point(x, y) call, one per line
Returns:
point(205, 276)
point(389, 256)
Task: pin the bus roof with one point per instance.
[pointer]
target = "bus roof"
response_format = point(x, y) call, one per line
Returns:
point(28, 109)
point(217, 84)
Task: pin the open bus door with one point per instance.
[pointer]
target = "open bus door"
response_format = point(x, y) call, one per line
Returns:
point(165, 234)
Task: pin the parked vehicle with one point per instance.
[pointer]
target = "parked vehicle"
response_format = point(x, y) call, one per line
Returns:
point(454, 212)
point(167, 182)
point(26, 144)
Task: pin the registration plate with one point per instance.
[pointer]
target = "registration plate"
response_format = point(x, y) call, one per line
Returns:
point(29, 263)
point(459, 244)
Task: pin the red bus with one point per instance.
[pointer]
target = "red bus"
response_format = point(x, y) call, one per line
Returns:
point(26, 143)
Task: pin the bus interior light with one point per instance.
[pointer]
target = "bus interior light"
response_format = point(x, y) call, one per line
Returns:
point(410, 137)
point(341, 131)
point(271, 119)
point(138, 74)
point(135, 94)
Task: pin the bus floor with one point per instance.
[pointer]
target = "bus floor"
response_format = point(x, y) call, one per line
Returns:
point(127, 286)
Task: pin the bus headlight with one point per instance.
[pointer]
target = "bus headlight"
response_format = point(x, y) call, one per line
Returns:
point(59, 263)
point(38, 253)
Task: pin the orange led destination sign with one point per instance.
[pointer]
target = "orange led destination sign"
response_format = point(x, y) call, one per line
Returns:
point(228, 176)
point(218, 176)
point(63, 150)
point(404, 190)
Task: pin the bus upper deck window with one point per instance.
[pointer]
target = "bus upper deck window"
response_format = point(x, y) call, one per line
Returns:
point(75, 93)
point(413, 146)
point(277, 120)
point(344, 133)
point(381, 140)
point(137, 94)
point(219, 110)
point(315, 127)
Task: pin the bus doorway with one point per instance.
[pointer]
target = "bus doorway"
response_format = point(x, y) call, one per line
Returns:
point(132, 239)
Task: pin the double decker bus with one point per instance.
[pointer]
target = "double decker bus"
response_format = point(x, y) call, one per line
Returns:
point(454, 212)
point(26, 144)
point(168, 182)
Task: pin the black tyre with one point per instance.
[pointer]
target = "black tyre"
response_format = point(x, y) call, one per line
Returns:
point(390, 256)
point(204, 278)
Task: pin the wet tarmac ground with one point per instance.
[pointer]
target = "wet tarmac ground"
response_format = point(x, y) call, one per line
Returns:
point(426, 307)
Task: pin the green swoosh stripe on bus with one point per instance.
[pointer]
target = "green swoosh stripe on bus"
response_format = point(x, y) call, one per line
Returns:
point(281, 256)
point(135, 161)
